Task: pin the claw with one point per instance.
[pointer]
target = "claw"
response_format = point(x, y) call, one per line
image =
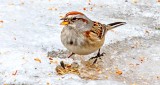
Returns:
point(102, 54)
point(93, 58)
point(95, 61)
point(96, 57)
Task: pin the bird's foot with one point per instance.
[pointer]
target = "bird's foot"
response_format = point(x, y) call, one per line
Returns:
point(96, 57)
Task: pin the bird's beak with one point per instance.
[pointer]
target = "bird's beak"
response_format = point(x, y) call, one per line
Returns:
point(64, 22)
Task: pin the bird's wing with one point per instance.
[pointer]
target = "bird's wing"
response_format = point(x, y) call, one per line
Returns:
point(98, 29)
point(96, 33)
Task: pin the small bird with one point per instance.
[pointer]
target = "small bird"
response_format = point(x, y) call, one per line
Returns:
point(82, 36)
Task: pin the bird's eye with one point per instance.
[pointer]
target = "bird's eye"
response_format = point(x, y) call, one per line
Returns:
point(74, 18)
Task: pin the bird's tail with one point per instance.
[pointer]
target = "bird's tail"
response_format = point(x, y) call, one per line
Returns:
point(114, 25)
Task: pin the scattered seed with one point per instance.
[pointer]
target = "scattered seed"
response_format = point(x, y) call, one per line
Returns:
point(14, 73)
point(84, 8)
point(38, 60)
point(119, 72)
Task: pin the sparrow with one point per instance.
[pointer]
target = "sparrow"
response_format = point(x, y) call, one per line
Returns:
point(82, 36)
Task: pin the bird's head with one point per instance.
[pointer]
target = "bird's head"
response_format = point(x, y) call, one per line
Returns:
point(75, 19)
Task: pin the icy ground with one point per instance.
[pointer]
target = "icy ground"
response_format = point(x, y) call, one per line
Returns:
point(29, 29)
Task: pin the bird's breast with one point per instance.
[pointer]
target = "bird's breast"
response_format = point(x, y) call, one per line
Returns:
point(77, 43)
point(72, 37)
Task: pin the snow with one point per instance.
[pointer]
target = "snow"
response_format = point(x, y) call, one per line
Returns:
point(30, 29)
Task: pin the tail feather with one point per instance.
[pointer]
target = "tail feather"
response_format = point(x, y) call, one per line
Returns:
point(115, 24)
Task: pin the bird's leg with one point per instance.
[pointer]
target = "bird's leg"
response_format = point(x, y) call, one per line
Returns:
point(71, 55)
point(97, 56)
